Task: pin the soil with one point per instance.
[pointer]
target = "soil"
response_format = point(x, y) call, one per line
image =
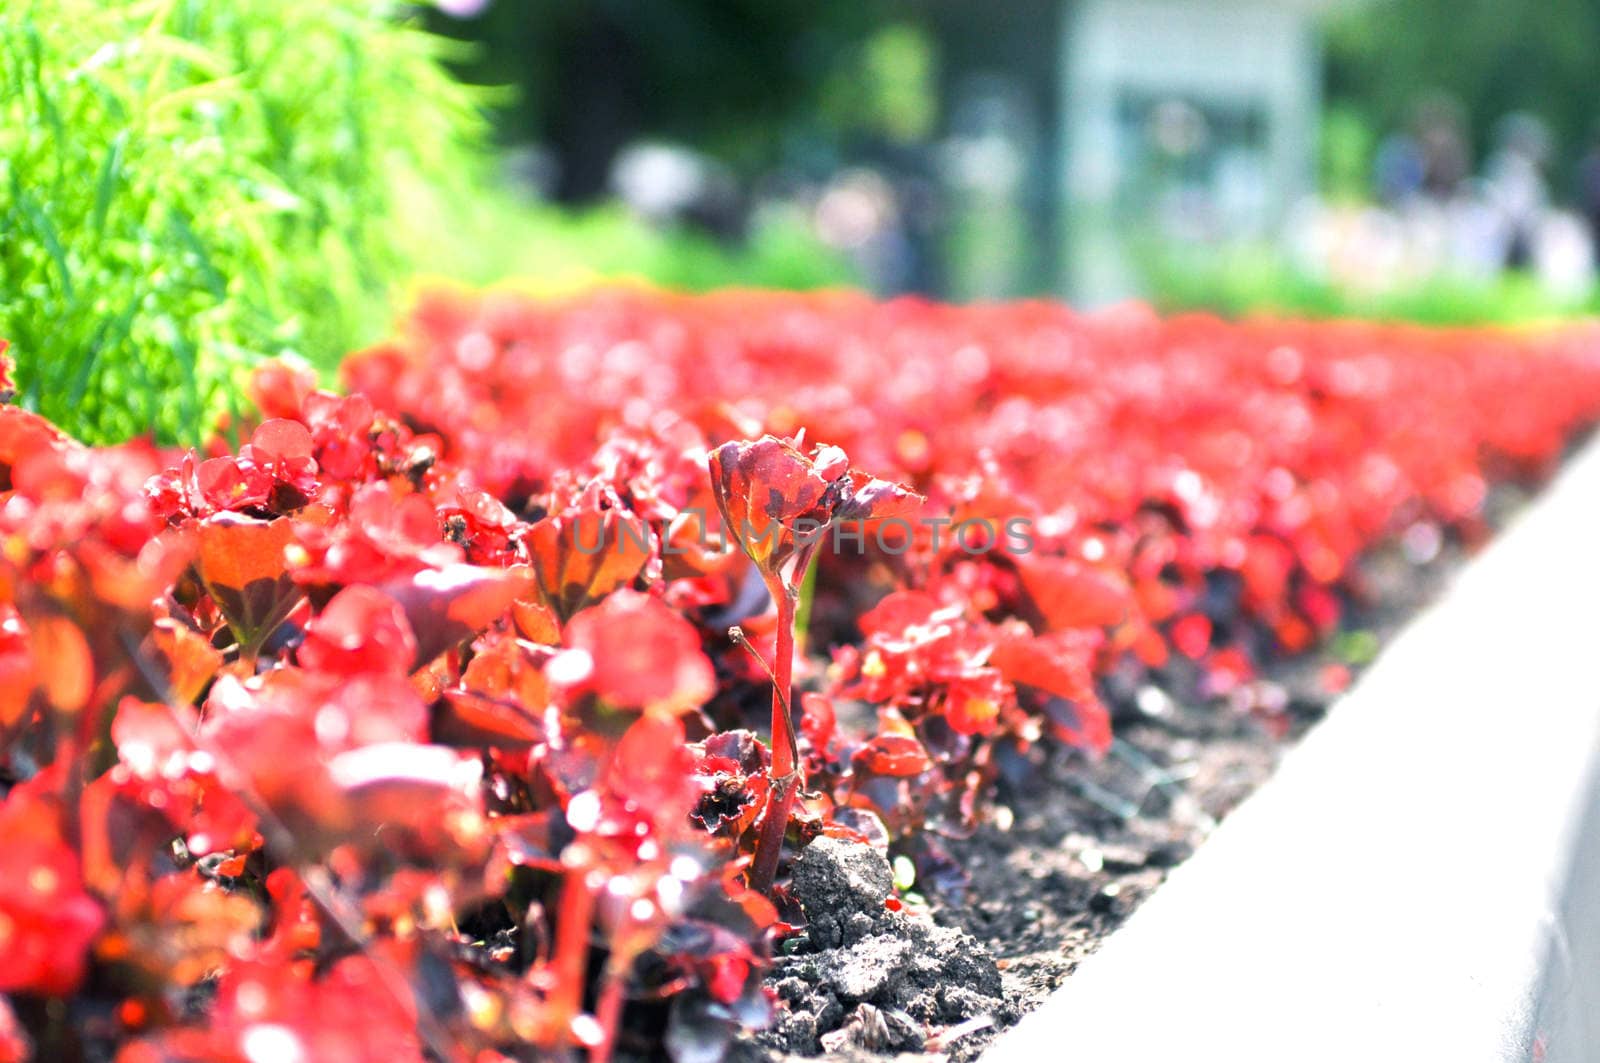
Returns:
point(1063, 859)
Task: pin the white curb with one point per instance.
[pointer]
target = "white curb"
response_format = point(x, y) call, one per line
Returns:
point(1421, 879)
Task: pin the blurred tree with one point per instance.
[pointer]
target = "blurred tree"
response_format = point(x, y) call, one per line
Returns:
point(741, 79)
point(1345, 155)
point(1492, 56)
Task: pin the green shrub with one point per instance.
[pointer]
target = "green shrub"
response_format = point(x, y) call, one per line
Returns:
point(188, 185)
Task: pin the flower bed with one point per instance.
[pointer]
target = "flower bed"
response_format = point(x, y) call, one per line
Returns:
point(1343, 914)
point(416, 723)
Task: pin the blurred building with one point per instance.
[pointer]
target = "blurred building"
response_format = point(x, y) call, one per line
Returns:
point(1117, 124)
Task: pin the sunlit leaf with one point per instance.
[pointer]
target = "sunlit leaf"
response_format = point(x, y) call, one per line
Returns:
point(241, 562)
point(892, 755)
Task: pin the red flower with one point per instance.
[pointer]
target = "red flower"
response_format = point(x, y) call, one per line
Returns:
point(279, 388)
point(387, 533)
point(273, 474)
point(47, 921)
point(360, 1010)
point(360, 630)
point(642, 653)
point(919, 653)
point(429, 663)
point(277, 735)
point(776, 501)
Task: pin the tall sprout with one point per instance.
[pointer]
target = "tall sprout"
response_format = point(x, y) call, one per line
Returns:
point(779, 503)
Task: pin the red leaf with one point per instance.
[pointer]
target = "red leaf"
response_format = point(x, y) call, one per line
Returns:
point(652, 768)
point(361, 630)
point(467, 719)
point(1070, 594)
point(584, 554)
point(643, 653)
point(191, 659)
point(872, 499)
point(447, 606)
point(535, 622)
point(763, 488)
point(501, 701)
point(1192, 635)
point(898, 611)
point(773, 498)
point(282, 440)
point(898, 756)
point(17, 677)
point(242, 565)
point(65, 662)
point(1028, 660)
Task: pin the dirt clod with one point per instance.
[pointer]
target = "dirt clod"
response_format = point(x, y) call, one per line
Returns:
point(836, 877)
point(864, 978)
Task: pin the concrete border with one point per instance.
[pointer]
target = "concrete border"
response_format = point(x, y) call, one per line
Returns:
point(1421, 878)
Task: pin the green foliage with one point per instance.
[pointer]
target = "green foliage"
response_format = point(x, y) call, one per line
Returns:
point(1346, 149)
point(1492, 56)
point(748, 81)
point(493, 237)
point(187, 185)
point(889, 88)
point(1248, 281)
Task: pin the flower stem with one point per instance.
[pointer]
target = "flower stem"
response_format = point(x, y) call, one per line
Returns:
point(571, 957)
point(608, 1013)
point(784, 774)
point(802, 614)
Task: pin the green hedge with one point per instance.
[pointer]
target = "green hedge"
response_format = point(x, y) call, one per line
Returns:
point(188, 185)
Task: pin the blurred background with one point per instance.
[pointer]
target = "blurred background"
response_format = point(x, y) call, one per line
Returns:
point(1428, 159)
point(189, 186)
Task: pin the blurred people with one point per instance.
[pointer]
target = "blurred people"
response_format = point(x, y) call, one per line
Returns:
point(1398, 169)
point(1442, 139)
point(1514, 182)
point(1563, 256)
point(1435, 221)
point(860, 214)
point(1589, 188)
point(668, 183)
point(1431, 158)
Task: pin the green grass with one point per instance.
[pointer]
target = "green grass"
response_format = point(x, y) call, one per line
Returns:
point(1250, 281)
point(493, 237)
point(187, 186)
